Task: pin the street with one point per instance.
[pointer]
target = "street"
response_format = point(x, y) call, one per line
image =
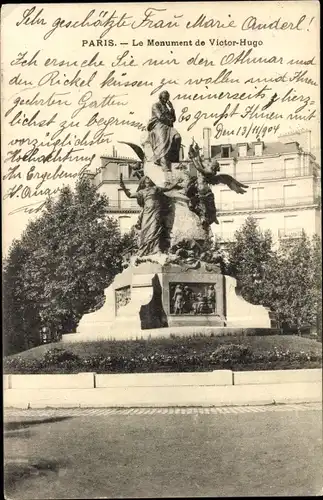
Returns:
point(166, 452)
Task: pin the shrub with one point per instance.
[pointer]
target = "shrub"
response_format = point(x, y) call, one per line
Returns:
point(57, 355)
point(231, 354)
point(21, 365)
point(182, 357)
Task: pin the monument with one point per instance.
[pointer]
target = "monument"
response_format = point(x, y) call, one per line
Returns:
point(172, 285)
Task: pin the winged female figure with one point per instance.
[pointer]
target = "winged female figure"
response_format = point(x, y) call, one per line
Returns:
point(201, 196)
point(154, 237)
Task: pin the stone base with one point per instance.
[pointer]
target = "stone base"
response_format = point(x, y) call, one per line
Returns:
point(240, 313)
point(142, 299)
point(178, 331)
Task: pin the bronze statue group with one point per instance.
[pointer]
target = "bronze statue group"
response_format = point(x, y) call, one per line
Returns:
point(165, 143)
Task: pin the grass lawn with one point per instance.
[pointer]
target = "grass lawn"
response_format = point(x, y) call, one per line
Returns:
point(187, 344)
point(199, 353)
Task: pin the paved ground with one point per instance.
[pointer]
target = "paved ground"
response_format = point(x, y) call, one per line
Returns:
point(163, 452)
point(14, 413)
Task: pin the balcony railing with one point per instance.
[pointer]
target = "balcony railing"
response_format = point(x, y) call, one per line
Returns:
point(264, 204)
point(243, 176)
point(115, 177)
point(226, 237)
point(274, 174)
point(115, 205)
point(290, 233)
point(229, 236)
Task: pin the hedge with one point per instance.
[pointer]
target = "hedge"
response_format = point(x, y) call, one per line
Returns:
point(225, 356)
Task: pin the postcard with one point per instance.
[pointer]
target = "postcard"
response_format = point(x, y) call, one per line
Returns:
point(161, 230)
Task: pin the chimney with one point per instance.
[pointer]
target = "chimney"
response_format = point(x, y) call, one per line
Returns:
point(303, 137)
point(114, 152)
point(258, 147)
point(305, 140)
point(207, 143)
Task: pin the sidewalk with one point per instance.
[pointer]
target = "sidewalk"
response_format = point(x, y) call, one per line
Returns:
point(163, 396)
point(15, 413)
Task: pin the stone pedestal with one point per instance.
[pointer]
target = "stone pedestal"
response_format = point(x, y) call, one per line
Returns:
point(144, 297)
point(240, 313)
point(126, 300)
point(185, 223)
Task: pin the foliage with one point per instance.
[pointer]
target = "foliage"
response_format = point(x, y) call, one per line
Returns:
point(296, 284)
point(18, 311)
point(60, 267)
point(287, 279)
point(130, 245)
point(65, 259)
point(317, 281)
point(57, 355)
point(250, 257)
point(230, 356)
point(176, 354)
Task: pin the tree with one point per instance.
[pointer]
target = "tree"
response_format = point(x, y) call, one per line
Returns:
point(15, 333)
point(295, 290)
point(317, 266)
point(68, 256)
point(250, 256)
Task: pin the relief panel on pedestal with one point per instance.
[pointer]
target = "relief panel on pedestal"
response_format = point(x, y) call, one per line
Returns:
point(192, 298)
point(122, 297)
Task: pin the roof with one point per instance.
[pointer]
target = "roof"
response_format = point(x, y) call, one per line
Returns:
point(269, 149)
point(118, 159)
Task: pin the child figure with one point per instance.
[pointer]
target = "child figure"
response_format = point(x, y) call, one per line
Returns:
point(211, 298)
point(198, 304)
point(178, 299)
point(187, 299)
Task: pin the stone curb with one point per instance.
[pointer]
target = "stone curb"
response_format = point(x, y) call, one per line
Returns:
point(193, 379)
point(204, 396)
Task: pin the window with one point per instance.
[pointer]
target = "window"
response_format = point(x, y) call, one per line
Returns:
point(290, 168)
point(227, 168)
point(243, 149)
point(258, 148)
point(290, 229)
point(125, 224)
point(224, 199)
point(257, 170)
point(124, 170)
point(227, 230)
point(257, 197)
point(225, 151)
point(290, 192)
point(123, 200)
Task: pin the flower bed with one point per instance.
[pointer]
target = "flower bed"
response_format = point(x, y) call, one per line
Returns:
point(171, 355)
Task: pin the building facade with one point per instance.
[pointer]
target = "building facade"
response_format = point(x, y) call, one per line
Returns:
point(284, 187)
point(125, 210)
point(283, 179)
